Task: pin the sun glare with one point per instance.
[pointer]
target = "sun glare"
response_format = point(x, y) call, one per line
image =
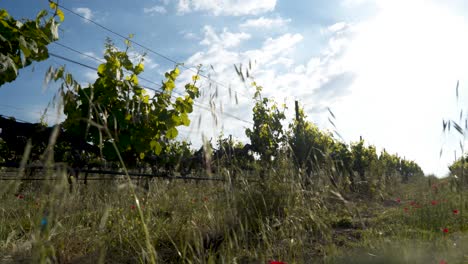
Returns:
point(407, 60)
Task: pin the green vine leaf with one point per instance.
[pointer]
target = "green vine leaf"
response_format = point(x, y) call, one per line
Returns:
point(60, 15)
point(185, 119)
point(156, 147)
point(139, 68)
point(137, 123)
point(172, 133)
point(21, 43)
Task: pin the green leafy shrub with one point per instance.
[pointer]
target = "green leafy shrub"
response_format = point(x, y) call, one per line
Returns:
point(22, 42)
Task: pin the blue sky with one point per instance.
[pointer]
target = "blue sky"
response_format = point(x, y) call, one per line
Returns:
point(387, 68)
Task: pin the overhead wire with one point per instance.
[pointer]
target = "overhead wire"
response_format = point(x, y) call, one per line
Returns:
point(101, 61)
point(77, 51)
point(148, 88)
point(72, 61)
point(146, 48)
point(142, 78)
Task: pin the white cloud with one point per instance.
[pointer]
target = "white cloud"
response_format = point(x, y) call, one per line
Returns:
point(226, 39)
point(233, 39)
point(89, 55)
point(389, 78)
point(265, 23)
point(227, 7)
point(348, 3)
point(287, 41)
point(273, 67)
point(282, 61)
point(155, 10)
point(85, 12)
point(337, 27)
point(149, 63)
point(183, 7)
point(90, 77)
point(190, 35)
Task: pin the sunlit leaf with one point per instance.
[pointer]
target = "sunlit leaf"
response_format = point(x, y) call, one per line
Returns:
point(52, 5)
point(60, 15)
point(185, 119)
point(176, 71)
point(156, 147)
point(139, 68)
point(134, 79)
point(102, 69)
point(146, 99)
point(172, 133)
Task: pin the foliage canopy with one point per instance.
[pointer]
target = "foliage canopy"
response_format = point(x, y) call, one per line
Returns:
point(22, 42)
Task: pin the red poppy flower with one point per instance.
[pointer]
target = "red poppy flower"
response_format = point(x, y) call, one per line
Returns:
point(20, 196)
point(406, 209)
point(443, 262)
point(398, 200)
point(445, 230)
point(456, 211)
point(413, 203)
point(133, 207)
point(276, 262)
point(434, 202)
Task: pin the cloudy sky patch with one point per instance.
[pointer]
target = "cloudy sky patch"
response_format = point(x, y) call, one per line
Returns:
point(85, 12)
point(157, 9)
